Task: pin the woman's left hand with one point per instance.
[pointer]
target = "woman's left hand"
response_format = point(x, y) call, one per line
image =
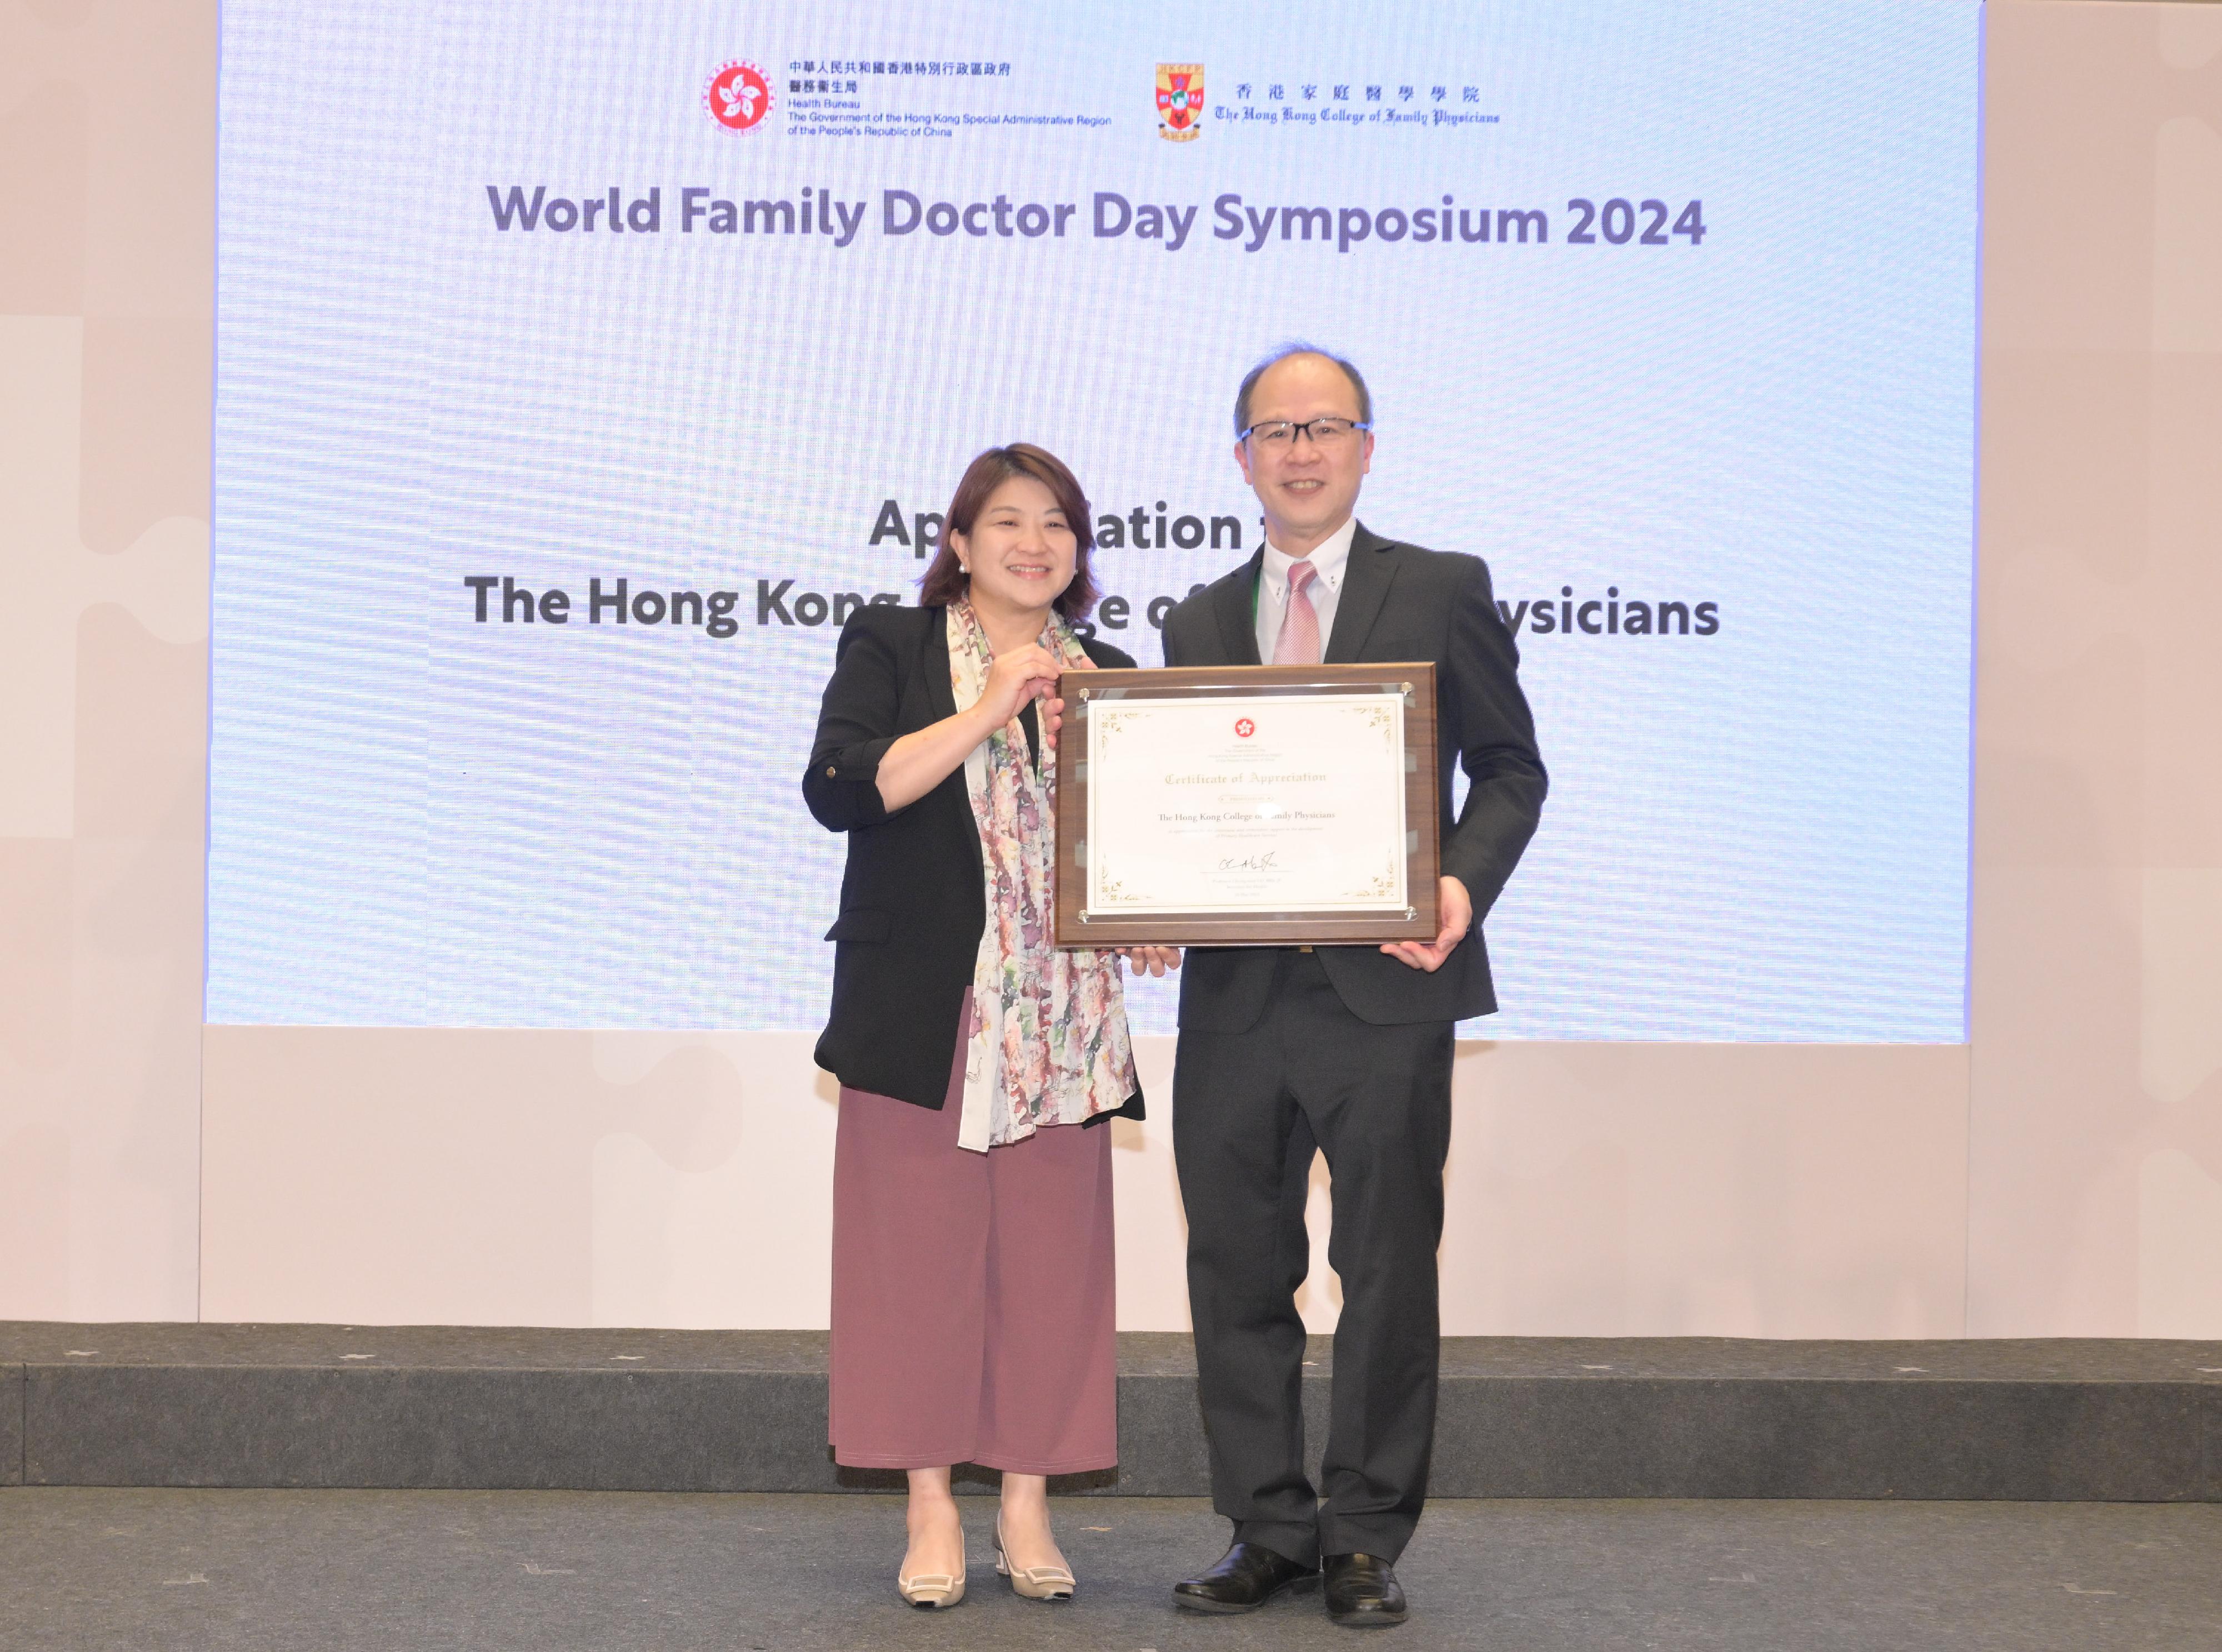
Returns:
point(1158, 960)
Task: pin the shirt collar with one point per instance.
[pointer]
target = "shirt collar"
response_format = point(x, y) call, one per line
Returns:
point(1328, 557)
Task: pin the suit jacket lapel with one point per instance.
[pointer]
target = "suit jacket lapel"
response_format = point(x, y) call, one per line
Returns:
point(934, 661)
point(1366, 582)
point(1233, 603)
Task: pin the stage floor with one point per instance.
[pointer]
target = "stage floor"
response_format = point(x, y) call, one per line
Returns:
point(335, 1570)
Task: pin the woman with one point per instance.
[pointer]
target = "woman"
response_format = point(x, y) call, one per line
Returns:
point(972, 1248)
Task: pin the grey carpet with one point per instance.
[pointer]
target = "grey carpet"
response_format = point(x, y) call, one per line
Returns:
point(536, 1571)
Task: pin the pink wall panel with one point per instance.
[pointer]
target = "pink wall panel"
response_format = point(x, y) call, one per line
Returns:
point(106, 292)
point(2096, 1105)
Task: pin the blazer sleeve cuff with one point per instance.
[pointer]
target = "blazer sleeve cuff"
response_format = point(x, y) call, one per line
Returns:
point(843, 785)
point(1481, 888)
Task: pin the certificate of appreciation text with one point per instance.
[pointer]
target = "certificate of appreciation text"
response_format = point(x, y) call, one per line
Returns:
point(1241, 804)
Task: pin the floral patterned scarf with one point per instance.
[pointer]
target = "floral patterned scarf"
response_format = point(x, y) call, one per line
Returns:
point(1048, 1041)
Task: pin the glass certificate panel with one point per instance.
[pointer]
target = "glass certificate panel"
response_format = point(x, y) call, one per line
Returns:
point(1256, 803)
point(1248, 806)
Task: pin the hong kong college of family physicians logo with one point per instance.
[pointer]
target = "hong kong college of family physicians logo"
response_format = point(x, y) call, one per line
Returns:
point(738, 97)
point(1180, 101)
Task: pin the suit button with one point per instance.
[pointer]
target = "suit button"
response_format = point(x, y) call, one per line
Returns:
point(831, 773)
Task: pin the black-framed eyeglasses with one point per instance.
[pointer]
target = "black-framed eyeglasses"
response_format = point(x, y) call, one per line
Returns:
point(1324, 432)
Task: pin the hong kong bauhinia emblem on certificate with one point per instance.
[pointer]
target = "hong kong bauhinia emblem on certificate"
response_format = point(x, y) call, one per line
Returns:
point(1180, 101)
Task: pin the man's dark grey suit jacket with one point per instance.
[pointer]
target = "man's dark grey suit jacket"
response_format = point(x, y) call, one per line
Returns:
point(1399, 602)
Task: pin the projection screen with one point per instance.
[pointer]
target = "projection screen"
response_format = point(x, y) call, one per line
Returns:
point(581, 367)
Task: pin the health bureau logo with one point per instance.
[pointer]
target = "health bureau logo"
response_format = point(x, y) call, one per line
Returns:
point(1180, 101)
point(738, 97)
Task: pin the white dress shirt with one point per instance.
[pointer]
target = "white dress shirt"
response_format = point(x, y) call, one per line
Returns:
point(1331, 559)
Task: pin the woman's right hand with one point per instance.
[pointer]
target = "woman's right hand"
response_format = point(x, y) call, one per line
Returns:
point(919, 761)
point(1029, 673)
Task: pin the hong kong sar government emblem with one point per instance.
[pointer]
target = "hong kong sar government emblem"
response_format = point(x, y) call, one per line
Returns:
point(738, 97)
point(1180, 101)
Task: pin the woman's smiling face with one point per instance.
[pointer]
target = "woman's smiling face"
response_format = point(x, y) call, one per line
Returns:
point(1021, 550)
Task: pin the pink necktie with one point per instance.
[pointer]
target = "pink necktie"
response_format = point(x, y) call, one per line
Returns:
point(1298, 643)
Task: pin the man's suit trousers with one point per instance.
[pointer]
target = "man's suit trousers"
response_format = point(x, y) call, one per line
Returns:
point(1249, 1109)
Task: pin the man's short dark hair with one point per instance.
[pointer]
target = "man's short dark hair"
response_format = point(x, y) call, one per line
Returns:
point(1298, 347)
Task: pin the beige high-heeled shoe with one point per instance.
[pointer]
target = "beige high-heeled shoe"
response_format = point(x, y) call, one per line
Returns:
point(1034, 1582)
point(931, 1591)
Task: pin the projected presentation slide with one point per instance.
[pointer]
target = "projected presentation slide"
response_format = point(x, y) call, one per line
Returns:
point(582, 368)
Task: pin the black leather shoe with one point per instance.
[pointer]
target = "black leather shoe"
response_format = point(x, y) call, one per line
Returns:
point(1248, 1576)
point(1362, 1592)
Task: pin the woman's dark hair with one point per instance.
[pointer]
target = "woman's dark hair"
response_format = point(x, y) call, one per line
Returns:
point(945, 579)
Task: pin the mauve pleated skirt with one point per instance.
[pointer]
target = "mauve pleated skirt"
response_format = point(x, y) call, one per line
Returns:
point(973, 1293)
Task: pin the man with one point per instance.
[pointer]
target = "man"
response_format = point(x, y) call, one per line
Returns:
point(1345, 1049)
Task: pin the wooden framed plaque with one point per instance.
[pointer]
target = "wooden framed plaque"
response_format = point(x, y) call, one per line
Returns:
point(1247, 805)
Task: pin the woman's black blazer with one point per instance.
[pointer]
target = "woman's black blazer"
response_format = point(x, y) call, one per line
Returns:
point(912, 900)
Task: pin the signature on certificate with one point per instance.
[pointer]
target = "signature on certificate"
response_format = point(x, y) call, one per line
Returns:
point(1261, 861)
